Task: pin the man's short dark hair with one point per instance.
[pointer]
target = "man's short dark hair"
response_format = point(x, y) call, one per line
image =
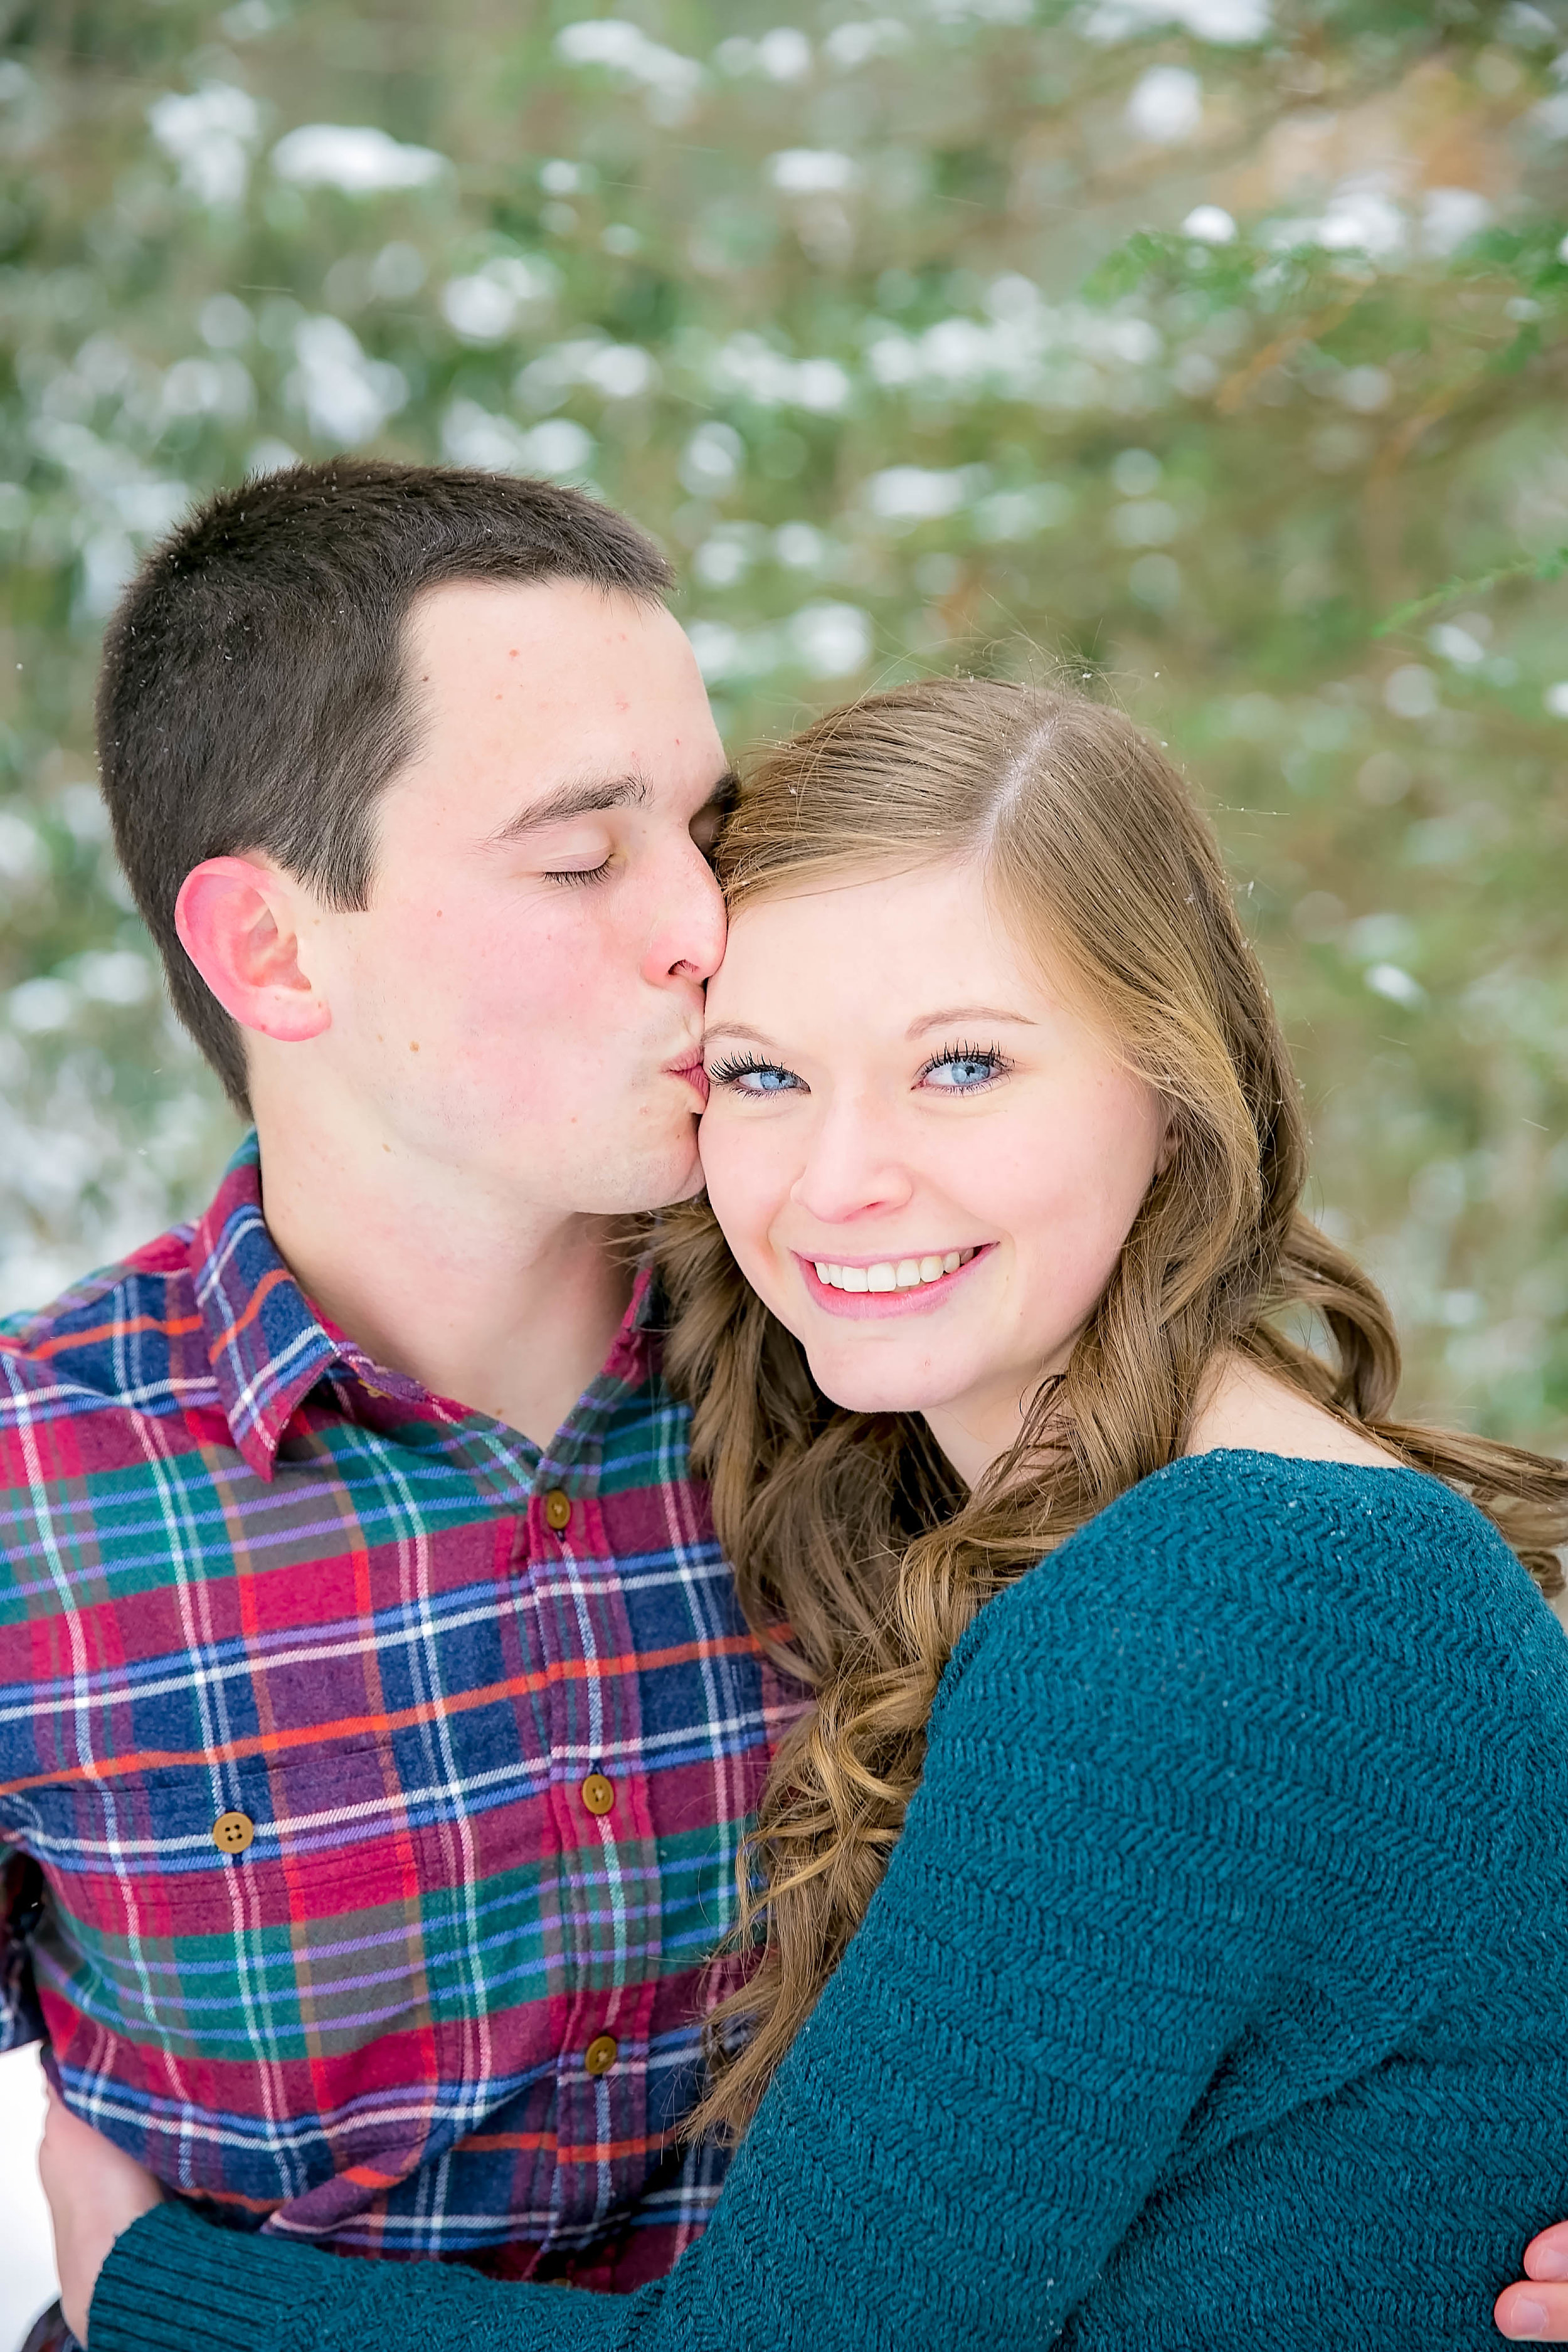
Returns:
point(254, 694)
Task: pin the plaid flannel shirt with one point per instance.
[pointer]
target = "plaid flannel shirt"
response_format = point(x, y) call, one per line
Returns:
point(371, 1782)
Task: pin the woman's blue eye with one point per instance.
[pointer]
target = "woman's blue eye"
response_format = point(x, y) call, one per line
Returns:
point(963, 1072)
point(752, 1077)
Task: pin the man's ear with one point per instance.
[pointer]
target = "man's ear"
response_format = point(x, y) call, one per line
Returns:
point(239, 921)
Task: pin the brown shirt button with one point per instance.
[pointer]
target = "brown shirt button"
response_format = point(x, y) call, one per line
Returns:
point(601, 2053)
point(232, 1833)
point(557, 1510)
point(598, 1794)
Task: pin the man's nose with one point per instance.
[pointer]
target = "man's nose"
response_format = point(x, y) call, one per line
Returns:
point(689, 938)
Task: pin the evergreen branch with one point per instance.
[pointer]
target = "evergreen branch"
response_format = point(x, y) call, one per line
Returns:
point(1546, 567)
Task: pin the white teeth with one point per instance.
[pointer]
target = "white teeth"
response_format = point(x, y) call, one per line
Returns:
point(890, 1274)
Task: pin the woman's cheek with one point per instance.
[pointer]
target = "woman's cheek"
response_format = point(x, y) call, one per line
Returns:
point(723, 1161)
point(746, 1193)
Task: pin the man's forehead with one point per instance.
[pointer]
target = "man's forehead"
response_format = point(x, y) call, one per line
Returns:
point(490, 618)
point(585, 668)
point(534, 696)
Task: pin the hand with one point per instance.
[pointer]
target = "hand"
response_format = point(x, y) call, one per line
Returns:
point(1537, 2313)
point(95, 2192)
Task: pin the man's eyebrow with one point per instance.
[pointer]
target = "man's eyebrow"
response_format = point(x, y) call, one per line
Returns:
point(590, 796)
point(951, 1013)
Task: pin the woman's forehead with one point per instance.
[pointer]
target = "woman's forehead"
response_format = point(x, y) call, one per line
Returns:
point(883, 938)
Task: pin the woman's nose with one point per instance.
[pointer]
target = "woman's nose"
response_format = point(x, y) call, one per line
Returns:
point(849, 1170)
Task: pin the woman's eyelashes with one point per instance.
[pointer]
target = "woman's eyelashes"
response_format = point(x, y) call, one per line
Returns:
point(964, 1069)
point(744, 1073)
point(955, 1070)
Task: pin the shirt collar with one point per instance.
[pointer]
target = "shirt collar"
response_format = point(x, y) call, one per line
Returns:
point(267, 1347)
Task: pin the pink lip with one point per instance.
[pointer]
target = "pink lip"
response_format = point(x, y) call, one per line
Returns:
point(874, 1306)
point(693, 1071)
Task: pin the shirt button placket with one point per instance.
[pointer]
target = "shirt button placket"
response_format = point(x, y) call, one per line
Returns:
point(595, 2087)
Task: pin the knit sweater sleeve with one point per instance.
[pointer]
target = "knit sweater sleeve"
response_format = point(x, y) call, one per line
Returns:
point(1113, 1869)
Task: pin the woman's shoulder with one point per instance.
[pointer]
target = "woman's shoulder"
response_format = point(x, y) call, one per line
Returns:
point(1244, 1408)
point(1234, 1519)
point(1242, 1524)
point(1287, 1636)
point(1274, 1495)
point(1341, 1520)
point(1271, 1580)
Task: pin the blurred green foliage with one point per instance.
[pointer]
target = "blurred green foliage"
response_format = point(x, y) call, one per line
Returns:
point(1212, 350)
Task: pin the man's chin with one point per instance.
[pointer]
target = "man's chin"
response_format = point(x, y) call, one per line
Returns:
point(687, 1187)
point(660, 1183)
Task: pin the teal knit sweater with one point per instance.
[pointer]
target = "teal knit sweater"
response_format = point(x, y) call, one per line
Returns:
point(1216, 1994)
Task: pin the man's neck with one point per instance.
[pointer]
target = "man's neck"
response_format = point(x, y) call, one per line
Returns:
point(502, 1308)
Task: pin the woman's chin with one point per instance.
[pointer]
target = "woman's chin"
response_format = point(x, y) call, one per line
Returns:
point(863, 1388)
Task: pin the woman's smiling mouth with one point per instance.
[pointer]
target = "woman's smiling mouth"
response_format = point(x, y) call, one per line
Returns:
point(888, 1286)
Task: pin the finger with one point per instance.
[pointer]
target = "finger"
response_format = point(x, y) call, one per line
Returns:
point(1546, 2256)
point(65, 2127)
point(1532, 2314)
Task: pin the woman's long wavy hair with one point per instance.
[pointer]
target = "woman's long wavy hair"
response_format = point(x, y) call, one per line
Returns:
point(860, 1555)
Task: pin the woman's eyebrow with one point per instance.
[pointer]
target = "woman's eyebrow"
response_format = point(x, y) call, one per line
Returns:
point(940, 1020)
point(951, 1013)
point(735, 1029)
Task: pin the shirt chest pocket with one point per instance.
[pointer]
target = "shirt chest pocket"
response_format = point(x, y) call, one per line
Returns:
point(302, 1907)
point(268, 1841)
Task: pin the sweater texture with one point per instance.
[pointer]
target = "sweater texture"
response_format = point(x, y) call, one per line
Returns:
point(1217, 1993)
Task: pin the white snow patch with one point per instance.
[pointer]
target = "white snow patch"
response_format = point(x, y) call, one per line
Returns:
point(486, 305)
point(1222, 21)
point(671, 80)
point(1390, 979)
point(832, 640)
point(1450, 217)
point(1210, 225)
point(923, 493)
point(1166, 105)
point(812, 171)
point(472, 436)
point(208, 134)
point(356, 157)
point(346, 396)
